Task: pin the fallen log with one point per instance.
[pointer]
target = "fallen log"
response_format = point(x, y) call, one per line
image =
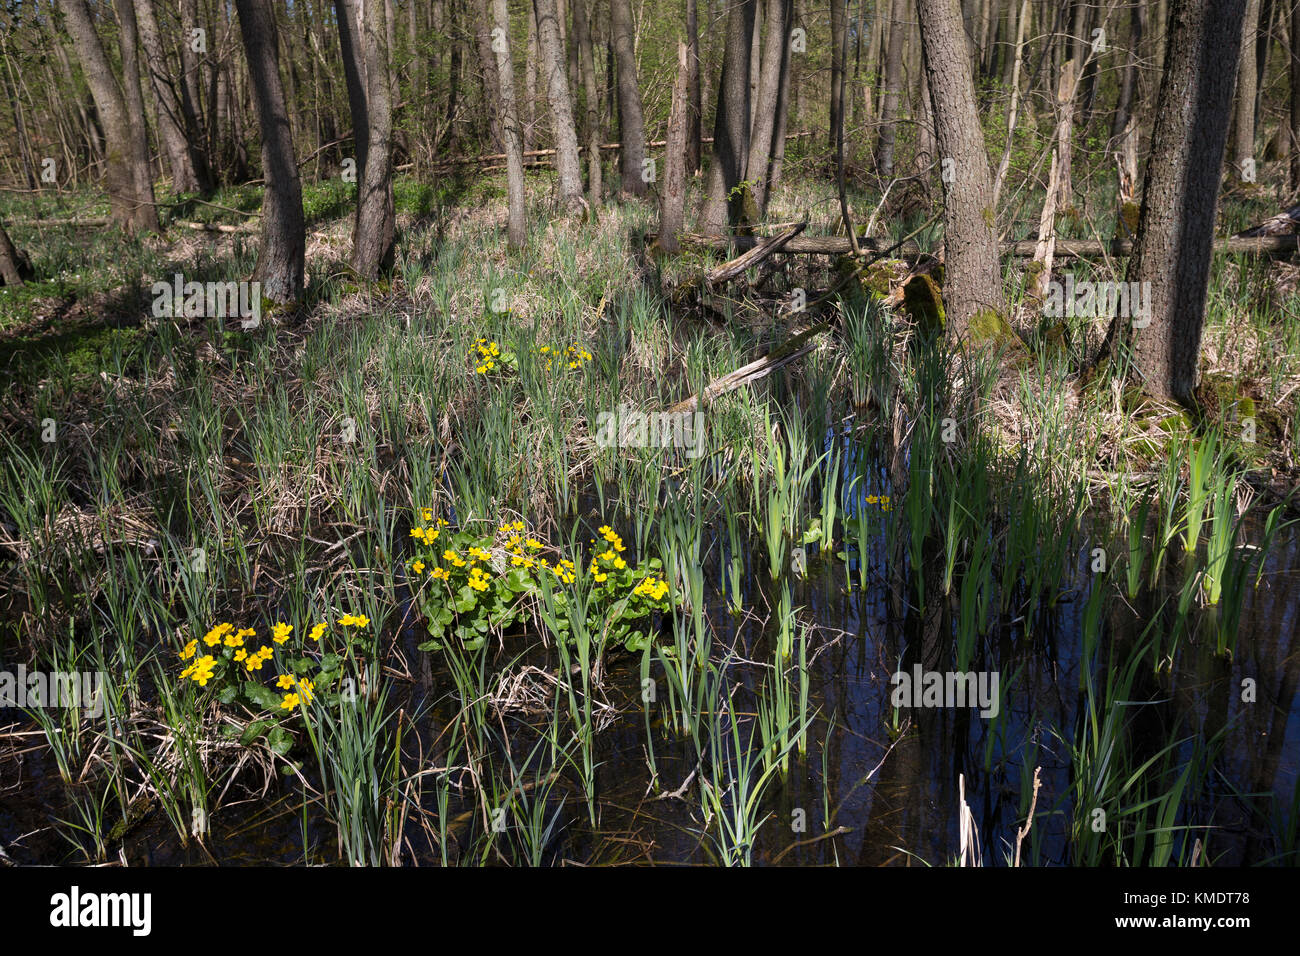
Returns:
point(1284, 223)
point(1023, 249)
point(789, 350)
point(761, 250)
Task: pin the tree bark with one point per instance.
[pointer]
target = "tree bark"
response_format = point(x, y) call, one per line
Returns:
point(280, 260)
point(672, 205)
point(730, 124)
point(128, 181)
point(631, 122)
point(587, 67)
point(839, 29)
point(15, 268)
point(551, 48)
point(782, 107)
point(769, 94)
point(1294, 71)
point(893, 81)
point(1243, 146)
point(374, 234)
point(972, 279)
point(695, 101)
point(1176, 228)
point(171, 117)
point(516, 228)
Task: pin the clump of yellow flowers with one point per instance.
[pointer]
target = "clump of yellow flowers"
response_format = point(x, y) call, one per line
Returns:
point(235, 660)
point(473, 584)
point(489, 354)
point(573, 357)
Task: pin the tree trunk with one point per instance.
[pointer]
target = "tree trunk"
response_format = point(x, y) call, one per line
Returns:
point(782, 107)
point(1066, 87)
point(1128, 82)
point(15, 268)
point(672, 205)
point(129, 184)
point(839, 29)
point(375, 228)
point(280, 260)
point(491, 82)
point(631, 123)
point(141, 166)
point(171, 118)
point(1294, 28)
point(587, 67)
point(528, 109)
point(551, 48)
point(1175, 238)
point(972, 278)
point(516, 228)
point(730, 124)
point(769, 94)
point(695, 101)
point(1243, 146)
point(1013, 110)
point(347, 13)
point(898, 26)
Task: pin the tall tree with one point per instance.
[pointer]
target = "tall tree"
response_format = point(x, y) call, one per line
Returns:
point(1175, 241)
point(673, 199)
point(1294, 47)
point(363, 37)
point(972, 279)
point(587, 67)
point(839, 28)
point(128, 181)
point(551, 47)
point(694, 98)
point(172, 129)
point(280, 260)
point(769, 99)
point(631, 123)
point(1243, 146)
point(898, 26)
point(516, 226)
point(722, 204)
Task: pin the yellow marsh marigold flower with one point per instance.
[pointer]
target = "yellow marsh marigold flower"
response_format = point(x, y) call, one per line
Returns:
point(316, 632)
point(417, 567)
point(201, 670)
point(214, 636)
point(241, 654)
point(280, 633)
point(189, 649)
point(284, 681)
point(439, 574)
point(305, 689)
point(426, 515)
point(290, 702)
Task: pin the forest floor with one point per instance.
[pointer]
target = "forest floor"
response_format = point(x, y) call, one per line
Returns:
point(163, 475)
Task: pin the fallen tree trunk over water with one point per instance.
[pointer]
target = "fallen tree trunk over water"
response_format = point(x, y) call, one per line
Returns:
point(1024, 249)
point(789, 350)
